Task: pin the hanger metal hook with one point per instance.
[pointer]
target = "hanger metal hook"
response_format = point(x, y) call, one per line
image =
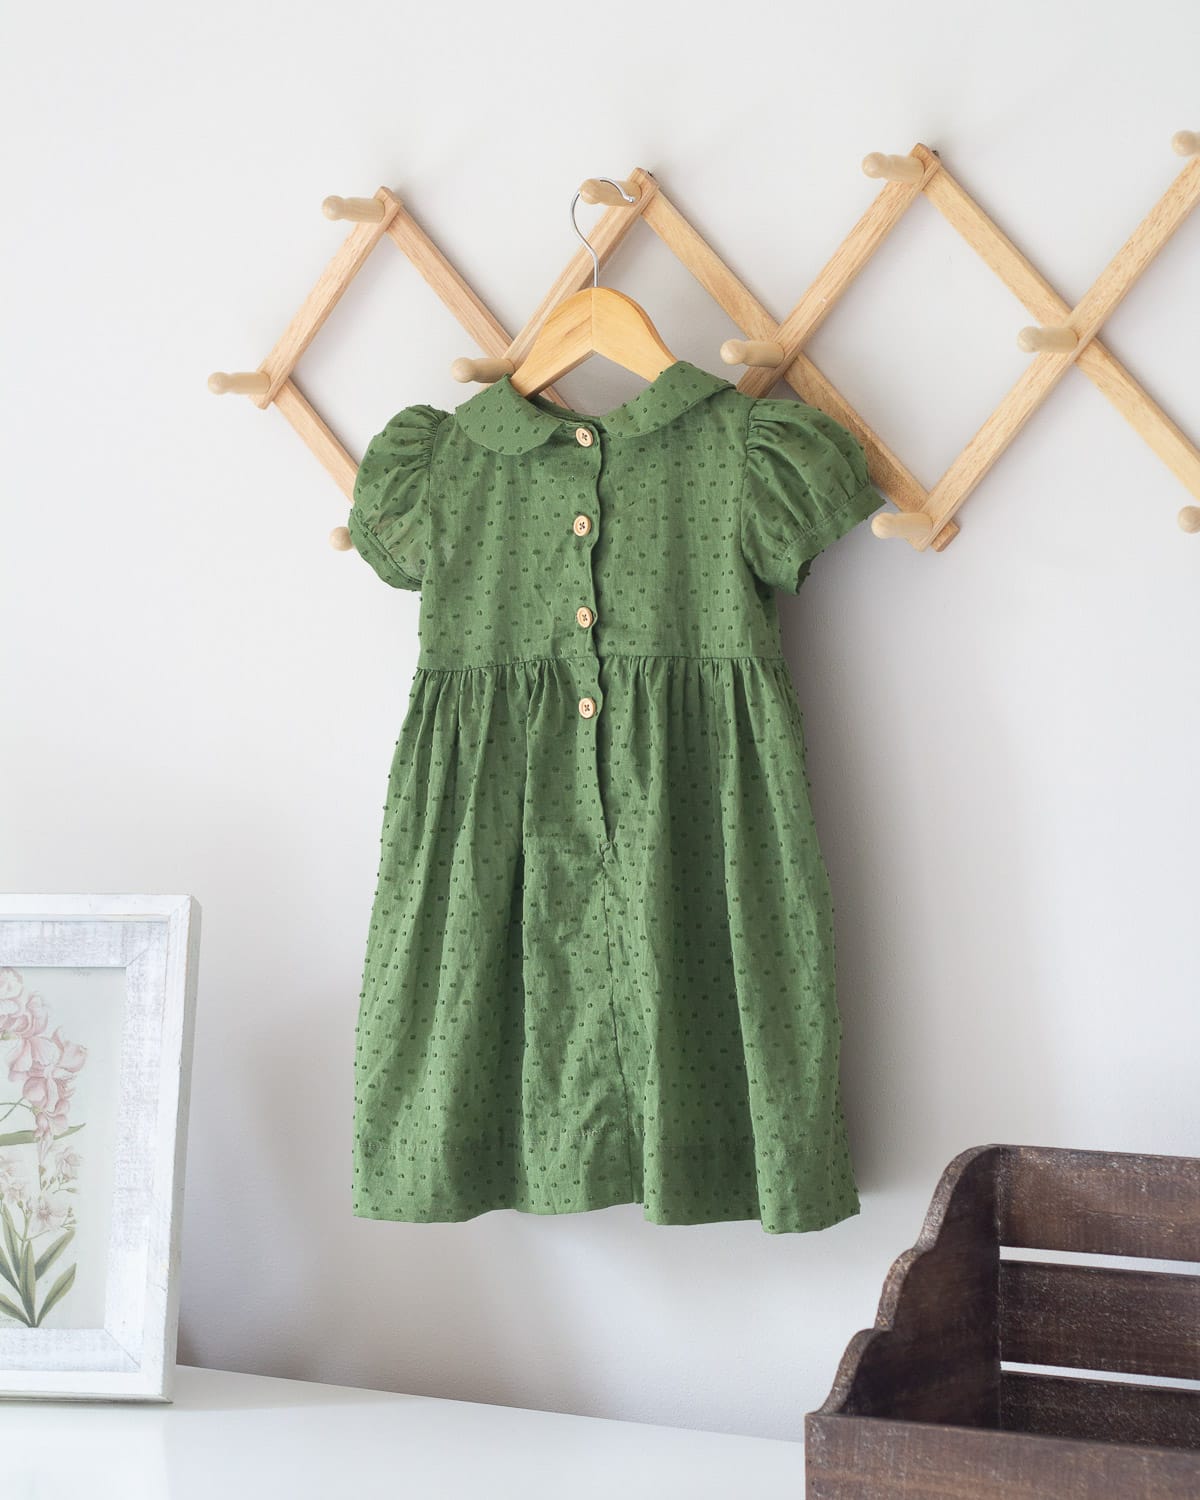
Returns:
point(628, 197)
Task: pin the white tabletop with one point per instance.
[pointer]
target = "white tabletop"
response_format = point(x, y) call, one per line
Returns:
point(227, 1436)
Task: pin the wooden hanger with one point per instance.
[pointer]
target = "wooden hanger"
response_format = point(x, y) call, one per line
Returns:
point(596, 320)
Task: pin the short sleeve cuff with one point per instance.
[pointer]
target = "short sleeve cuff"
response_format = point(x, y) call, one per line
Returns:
point(794, 560)
point(372, 550)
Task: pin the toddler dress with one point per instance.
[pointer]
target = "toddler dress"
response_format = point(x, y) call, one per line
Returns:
point(600, 965)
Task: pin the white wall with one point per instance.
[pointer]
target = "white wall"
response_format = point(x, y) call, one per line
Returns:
point(1002, 739)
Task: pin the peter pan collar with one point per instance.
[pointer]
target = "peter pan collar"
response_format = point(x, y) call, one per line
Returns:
point(501, 419)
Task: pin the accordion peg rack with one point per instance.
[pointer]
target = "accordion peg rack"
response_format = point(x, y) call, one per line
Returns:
point(772, 350)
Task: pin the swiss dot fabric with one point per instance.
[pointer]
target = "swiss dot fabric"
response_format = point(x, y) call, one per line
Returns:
point(600, 962)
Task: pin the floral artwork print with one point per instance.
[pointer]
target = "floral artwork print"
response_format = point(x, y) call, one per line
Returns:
point(39, 1171)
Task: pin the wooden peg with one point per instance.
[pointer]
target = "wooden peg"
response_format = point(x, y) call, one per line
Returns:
point(762, 352)
point(485, 371)
point(592, 190)
point(340, 540)
point(912, 525)
point(244, 383)
point(1054, 337)
point(1186, 142)
point(894, 168)
point(1189, 518)
point(358, 210)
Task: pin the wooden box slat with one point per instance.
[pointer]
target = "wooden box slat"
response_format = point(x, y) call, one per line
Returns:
point(853, 1459)
point(1100, 1318)
point(1100, 1410)
point(1100, 1203)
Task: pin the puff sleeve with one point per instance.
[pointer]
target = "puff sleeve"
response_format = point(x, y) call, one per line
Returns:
point(389, 519)
point(805, 484)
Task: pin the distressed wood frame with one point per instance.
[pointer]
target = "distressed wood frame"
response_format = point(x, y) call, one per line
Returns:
point(155, 941)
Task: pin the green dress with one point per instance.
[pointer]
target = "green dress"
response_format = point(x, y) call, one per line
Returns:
point(600, 963)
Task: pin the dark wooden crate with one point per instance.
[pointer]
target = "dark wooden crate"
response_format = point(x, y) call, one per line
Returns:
point(923, 1407)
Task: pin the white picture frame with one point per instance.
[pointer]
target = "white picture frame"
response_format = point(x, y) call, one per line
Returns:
point(91, 1163)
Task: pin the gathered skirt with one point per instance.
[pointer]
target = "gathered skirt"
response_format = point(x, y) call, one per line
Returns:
point(600, 963)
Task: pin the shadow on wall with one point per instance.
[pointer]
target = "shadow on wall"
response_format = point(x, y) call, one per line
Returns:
point(918, 806)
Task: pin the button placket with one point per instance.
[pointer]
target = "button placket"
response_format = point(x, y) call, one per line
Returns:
point(581, 602)
point(583, 527)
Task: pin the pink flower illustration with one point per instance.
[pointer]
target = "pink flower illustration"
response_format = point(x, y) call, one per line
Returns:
point(48, 1214)
point(25, 1023)
point(37, 1201)
point(49, 1083)
point(67, 1164)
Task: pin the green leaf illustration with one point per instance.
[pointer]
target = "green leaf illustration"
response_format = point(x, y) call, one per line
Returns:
point(11, 1238)
point(28, 1286)
point(56, 1293)
point(7, 1272)
point(47, 1258)
point(27, 1137)
point(14, 1311)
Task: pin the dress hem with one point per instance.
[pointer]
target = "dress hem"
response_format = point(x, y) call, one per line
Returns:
point(807, 1226)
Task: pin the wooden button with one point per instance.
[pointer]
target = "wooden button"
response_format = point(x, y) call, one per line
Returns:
point(583, 436)
point(587, 707)
point(583, 524)
point(584, 616)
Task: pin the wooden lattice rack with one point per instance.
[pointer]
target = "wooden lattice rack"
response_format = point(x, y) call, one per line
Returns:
point(1064, 336)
